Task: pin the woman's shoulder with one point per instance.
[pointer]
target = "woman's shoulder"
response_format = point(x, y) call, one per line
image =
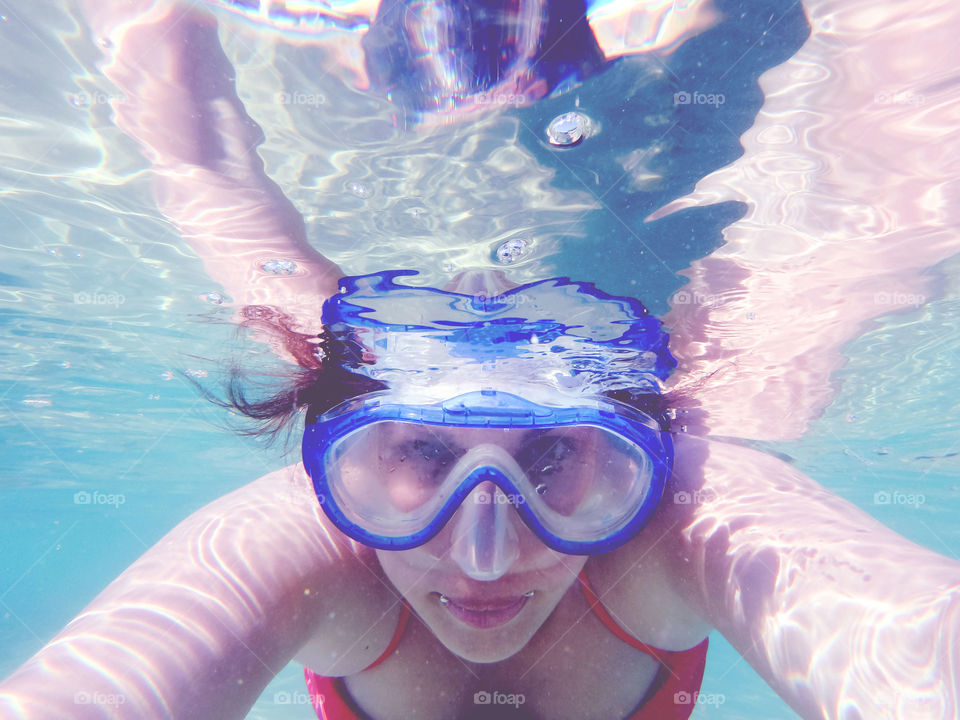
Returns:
point(638, 582)
point(340, 583)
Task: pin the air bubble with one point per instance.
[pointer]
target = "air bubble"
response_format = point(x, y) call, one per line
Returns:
point(279, 267)
point(511, 251)
point(566, 130)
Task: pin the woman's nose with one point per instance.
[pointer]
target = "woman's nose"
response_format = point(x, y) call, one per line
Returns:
point(485, 541)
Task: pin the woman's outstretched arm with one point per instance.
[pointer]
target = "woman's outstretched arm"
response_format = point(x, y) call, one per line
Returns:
point(840, 615)
point(199, 625)
point(179, 103)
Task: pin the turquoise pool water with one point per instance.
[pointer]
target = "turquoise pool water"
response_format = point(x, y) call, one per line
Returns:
point(105, 446)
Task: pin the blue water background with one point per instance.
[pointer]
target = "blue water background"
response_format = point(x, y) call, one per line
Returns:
point(92, 399)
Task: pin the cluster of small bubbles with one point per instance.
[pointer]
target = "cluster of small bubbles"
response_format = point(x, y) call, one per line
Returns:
point(196, 373)
point(279, 267)
point(566, 130)
point(214, 298)
point(360, 190)
point(511, 251)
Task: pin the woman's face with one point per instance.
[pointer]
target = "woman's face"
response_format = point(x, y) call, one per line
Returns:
point(481, 609)
point(482, 621)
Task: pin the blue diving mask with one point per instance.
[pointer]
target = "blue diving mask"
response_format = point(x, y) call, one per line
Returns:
point(495, 412)
point(584, 477)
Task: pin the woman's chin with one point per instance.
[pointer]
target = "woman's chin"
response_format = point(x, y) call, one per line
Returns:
point(482, 658)
point(484, 650)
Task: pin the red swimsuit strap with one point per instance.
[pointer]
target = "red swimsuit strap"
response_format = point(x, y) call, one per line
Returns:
point(397, 634)
point(601, 612)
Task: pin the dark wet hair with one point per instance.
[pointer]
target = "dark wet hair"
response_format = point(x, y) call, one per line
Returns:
point(321, 381)
point(273, 400)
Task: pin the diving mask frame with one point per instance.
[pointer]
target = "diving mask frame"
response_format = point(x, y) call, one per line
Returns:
point(644, 446)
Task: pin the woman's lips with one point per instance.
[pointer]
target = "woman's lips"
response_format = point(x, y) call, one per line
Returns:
point(486, 613)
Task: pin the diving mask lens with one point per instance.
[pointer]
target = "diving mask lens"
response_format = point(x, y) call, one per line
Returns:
point(394, 483)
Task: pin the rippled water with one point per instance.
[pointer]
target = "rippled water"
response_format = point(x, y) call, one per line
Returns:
point(836, 151)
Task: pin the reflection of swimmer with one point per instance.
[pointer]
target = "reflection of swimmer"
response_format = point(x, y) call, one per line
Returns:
point(447, 58)
point(422, 554)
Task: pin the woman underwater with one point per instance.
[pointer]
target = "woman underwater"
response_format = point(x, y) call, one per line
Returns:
point(494, 516)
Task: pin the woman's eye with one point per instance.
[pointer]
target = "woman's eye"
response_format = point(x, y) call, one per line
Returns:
point(431, 451)
point(545, 455)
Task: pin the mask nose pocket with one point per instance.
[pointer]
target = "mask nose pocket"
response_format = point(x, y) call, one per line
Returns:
point(485, 540)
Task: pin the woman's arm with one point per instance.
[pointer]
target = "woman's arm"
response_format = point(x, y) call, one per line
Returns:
point(850, 173)
point(179, 103)
point(840, 615)
point(199, 625)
